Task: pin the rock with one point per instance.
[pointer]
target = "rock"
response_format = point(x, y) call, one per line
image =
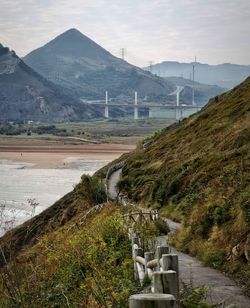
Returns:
point(247, 248)
point(238, 250)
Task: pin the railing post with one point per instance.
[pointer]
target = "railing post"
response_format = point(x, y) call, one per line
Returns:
point(130, 233)
point(148, 257)
point(138, 252)
point(170, 262)
point(160, 250)
point(135, 243)
point(165, 282)
point(152, 301)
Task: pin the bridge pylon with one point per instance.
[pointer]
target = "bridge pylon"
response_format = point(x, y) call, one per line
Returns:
point(106, 111)
point(136, 107)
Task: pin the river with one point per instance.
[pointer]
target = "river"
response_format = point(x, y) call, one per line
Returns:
point(26, 190)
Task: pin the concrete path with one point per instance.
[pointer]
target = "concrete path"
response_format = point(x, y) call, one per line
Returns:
point(113, 180)
point(221, 288)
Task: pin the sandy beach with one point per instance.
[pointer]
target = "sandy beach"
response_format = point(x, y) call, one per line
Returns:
point(45, 170)
point(59, 155)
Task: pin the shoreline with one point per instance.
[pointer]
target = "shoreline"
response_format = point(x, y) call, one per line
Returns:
point(62, 156)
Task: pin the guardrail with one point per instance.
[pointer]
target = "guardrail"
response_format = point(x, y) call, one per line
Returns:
point(160, 266)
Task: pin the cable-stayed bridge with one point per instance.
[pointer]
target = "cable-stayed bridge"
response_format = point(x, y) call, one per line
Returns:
point(156, 110)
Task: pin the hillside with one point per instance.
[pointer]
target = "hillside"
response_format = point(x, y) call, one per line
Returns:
point(197, 171)
point(74, 254)
point(76, 62)
point(25, 95)
point(225, 75)
point(202, 92)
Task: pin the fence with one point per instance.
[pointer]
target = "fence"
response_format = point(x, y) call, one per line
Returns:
point(160, 266)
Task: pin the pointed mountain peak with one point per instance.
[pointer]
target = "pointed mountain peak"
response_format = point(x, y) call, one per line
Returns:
point(71, 44)
point(73, 32)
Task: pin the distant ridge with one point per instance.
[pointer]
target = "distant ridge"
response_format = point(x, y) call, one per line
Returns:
point(225, 75)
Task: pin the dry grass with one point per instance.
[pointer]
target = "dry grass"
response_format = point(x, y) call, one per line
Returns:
point(198, 171)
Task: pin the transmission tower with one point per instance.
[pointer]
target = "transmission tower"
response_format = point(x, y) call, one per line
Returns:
point(150, 65)
point(193, 102)
point(123, 52)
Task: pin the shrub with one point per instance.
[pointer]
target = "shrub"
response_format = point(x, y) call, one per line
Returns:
point(162, 226)
point(90, 266)
point(191, 297)
point(124, 184)
point(95, 188)
point(214, 258)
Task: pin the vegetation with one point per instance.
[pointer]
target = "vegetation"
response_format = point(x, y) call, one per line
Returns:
point(76, 254)
point(191, 297)
point(18, 129)
point(197, 172)
point(87, 266)
point(71, 255)
point(115, 131)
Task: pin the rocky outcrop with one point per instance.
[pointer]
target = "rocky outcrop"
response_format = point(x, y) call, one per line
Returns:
point(247, 248)
point(25, 95)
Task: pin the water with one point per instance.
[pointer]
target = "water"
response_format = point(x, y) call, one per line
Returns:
point(20, 182)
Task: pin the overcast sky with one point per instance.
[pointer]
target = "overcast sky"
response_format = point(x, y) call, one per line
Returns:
point(216, 31)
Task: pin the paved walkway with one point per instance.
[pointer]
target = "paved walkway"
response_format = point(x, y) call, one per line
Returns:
point(221, 288)
point(113, 180)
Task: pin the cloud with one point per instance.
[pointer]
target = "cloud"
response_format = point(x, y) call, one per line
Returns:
point(149, 29)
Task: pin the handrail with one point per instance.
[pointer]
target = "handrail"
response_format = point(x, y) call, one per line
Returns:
point(160, 265)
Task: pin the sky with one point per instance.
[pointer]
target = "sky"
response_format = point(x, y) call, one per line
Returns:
point(215, 31)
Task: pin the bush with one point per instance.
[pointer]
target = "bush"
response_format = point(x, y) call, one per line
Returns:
point(214, 258)
point(124, 184)
point(191, 297)
point(88, 267)
point(95, 188)
point(162, 226)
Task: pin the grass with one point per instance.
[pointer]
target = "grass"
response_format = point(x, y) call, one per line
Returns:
point(88, 266)
point(197, 172)
point(121, 130)
point(69, 255)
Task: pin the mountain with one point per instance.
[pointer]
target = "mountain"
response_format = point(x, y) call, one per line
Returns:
point(202, 92)
point(26, 95)
point(223, 75)
point(198, 172)
point(74, 61)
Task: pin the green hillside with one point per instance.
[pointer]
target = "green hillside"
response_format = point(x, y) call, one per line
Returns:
point(198, 172)
point(74, 254)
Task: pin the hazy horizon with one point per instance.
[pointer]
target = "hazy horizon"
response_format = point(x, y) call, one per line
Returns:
point(215, 32)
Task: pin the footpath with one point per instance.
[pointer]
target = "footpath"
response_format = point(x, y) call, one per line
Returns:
point(221, 289)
